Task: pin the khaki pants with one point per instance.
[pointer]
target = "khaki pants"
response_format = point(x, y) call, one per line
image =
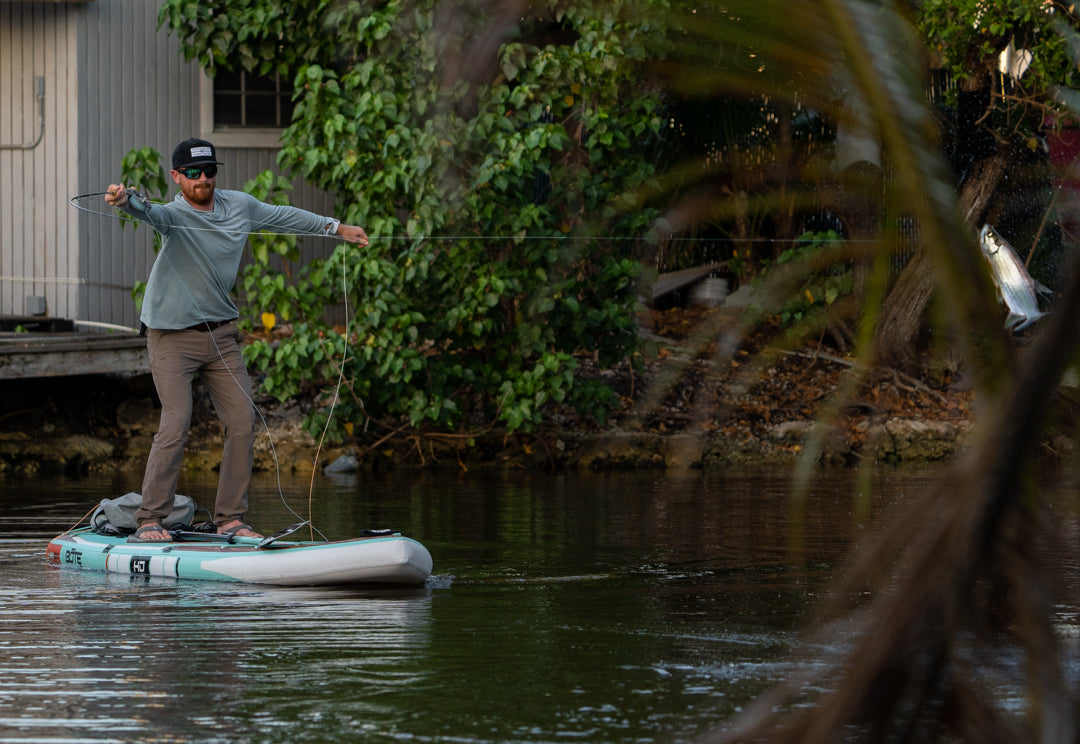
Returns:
point(175, 358)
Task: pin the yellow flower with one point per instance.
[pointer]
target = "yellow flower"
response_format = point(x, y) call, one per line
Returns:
point(269, 320)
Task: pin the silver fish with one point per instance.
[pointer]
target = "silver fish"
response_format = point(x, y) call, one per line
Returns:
point(1015, 286)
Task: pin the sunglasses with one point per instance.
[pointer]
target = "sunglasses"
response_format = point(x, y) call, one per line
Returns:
point(193, 171)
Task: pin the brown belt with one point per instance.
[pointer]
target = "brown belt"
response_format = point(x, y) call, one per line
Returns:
point(209, 325)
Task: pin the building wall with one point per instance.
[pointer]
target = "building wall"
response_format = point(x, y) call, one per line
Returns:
point(114, 82)
point(137, 90)
point(38, 238)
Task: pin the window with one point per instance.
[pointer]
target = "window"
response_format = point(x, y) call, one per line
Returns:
point(241, 109)
point(242, 99)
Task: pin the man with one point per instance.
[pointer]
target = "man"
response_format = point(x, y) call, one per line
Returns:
point(190, 322)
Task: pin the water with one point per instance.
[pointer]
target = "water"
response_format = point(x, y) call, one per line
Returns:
point(573, 607)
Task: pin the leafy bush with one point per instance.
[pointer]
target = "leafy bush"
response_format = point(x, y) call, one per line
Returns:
point(479, 190)
point(141, 170)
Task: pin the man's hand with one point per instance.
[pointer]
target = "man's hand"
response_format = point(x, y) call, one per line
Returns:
point(352, 234)
point(116, 195)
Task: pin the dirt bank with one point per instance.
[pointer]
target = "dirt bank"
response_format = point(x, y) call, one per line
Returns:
point(684, 407)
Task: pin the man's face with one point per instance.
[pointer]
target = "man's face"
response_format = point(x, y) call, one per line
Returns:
point(196, 186)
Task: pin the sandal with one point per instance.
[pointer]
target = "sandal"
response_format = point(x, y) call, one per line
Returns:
point(150, 527)
point(238, 528)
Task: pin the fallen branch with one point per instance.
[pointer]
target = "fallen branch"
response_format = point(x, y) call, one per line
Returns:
point(903, 381)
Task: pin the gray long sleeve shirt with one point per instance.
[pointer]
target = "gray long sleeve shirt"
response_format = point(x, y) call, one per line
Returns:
point(196, 267)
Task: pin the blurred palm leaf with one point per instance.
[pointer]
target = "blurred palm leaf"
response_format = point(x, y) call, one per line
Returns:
point(905, 677)
point(861, 65)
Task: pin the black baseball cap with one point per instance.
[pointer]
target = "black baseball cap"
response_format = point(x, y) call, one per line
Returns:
point(194, 152)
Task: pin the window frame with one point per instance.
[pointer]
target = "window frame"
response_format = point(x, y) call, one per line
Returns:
point(233, 137)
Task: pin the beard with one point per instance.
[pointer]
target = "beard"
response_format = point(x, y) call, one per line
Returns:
point(199, 193)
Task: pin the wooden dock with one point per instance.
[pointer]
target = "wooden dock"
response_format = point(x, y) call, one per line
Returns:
point(24, 355)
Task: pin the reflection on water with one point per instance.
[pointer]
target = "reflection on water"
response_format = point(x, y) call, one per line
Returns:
point(91, 656)
point(613, 608)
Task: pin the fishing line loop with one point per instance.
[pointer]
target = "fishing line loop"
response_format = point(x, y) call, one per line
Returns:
point(74, 201)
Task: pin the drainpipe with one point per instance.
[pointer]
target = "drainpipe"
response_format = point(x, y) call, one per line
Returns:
point(39, 94)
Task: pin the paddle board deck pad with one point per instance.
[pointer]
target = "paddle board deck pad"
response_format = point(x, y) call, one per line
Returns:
point(390, 559)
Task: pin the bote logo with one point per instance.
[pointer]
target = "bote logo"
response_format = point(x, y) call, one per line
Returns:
point(73, 557)
point(140, 564)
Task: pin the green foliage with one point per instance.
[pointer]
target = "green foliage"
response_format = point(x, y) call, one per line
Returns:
point(480, 192)
point(817, 286)
point(434, 339)
point(968, 36)
point(253, 34)
point(141, 170)
point(268, 283)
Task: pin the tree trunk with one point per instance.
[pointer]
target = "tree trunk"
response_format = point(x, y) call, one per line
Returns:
point(901, 323)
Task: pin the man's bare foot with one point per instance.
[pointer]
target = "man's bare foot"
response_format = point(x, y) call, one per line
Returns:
point(237, 528)
point(149, 533)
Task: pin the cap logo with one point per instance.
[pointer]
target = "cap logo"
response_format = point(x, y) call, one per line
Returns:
point(201, 152)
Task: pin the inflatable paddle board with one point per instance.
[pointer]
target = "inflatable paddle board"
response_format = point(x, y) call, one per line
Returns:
point(386, 558)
